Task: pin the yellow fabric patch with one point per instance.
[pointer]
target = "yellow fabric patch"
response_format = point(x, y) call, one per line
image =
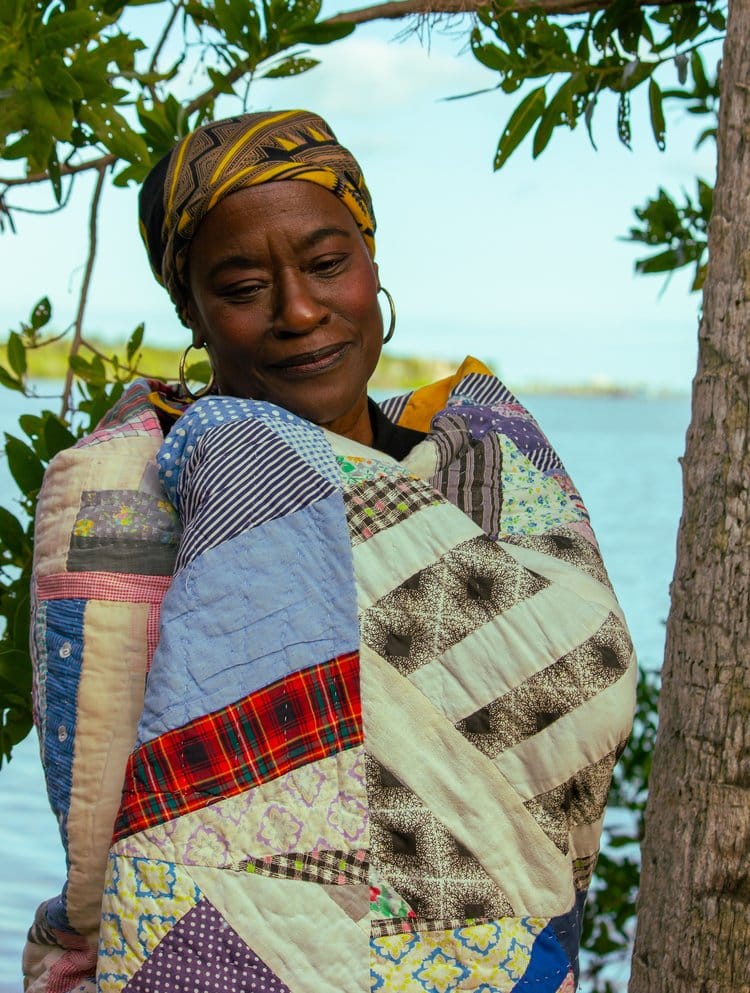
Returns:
point(424, 402)
point(143, 900)
point(496, 953)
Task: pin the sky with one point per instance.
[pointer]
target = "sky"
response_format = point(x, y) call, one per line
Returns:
point(524, 268)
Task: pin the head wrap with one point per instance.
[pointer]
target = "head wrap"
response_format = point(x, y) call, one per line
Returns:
point(230, 155)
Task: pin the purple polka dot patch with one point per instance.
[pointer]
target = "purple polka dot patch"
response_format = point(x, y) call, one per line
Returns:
point(204, 954)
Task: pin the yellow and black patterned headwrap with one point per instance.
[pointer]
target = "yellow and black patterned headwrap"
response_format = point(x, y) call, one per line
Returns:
point(230, 155)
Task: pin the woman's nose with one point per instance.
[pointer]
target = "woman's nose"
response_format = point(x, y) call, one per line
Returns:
point(297, 310)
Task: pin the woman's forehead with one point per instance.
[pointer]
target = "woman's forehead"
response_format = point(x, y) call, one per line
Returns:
point(302, 212)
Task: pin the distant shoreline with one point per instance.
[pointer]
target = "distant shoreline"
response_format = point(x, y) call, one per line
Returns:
point(394, 372)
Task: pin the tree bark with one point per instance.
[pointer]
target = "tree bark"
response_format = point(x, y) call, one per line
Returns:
point(693, 932)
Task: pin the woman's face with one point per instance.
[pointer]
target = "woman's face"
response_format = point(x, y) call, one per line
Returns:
point(283, 293)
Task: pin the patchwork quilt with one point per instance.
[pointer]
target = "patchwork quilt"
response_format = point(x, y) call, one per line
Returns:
point(383, 704)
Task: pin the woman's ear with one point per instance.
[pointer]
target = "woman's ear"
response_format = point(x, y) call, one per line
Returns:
point(194, 323)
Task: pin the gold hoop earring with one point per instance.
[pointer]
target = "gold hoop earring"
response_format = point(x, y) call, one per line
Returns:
point(392, 326)
point(208, 388)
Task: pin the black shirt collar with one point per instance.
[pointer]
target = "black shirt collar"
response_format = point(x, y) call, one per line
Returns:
point(389, 437)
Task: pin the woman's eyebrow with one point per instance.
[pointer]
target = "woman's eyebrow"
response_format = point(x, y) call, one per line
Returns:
point(231, 262)
point(312, 239)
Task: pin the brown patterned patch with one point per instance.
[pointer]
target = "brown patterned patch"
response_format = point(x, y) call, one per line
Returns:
point(550, 694)
point(438, 607)
point(570, 546)
point(435, 874)
point(580, 800)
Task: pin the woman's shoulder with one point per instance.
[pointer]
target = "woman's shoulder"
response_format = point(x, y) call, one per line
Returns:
point(146, 408)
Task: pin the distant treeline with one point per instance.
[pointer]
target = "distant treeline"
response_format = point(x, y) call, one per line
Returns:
point(393, 372)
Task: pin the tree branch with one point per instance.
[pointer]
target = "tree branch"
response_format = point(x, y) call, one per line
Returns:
point(397, 9)
point(164, 35)
point(65, 170)
point(78, 330)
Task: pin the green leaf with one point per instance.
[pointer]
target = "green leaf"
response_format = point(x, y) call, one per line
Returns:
point(699, 74)
point(53, 170)
point(559, 111)
point(51, 116)
point(662, 262)
point(716, 19)
point(57, 436)
point(490, 55)
point(98, 372)
point(318, 33)
point(69, 28)
point(219, 81)
point(705, 135)
point(240, 24)
point(31, 425)
point(12, 534)
point(16, 354)
point(114, 132)
point(293, 66)
point(658, 125)
point(134, 342)
point(198, 372)
point(10, 382)
point(24, 465)
point(521, 121)
point(80, 366)
point(57, 80)
point(40, 314)
point(132, 174)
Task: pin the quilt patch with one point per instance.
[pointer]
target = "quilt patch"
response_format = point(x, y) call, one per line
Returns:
point(203, 952)
point(124, 531)
point(62, 649)
point(533, 502)
point(509, 955)
point(143, 900)
point(235, 478)
point(296, 720)
point(373, 506)
point(320, 805)
point(552, 692)
point(570, 546)
point(441, 605)
point(330, 868)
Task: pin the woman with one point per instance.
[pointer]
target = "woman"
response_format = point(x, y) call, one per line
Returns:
point(391, 678)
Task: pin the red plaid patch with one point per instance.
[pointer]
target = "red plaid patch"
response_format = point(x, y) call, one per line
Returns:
point(298, 719)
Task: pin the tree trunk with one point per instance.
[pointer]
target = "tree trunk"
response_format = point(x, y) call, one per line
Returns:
point(693, 933)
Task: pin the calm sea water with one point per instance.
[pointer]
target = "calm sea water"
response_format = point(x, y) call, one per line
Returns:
point(622, 453)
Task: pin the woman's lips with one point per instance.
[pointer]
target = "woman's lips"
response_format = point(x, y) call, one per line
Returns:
point(320, 360)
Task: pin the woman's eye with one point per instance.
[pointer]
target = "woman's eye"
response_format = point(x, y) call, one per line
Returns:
point(328, 265)
point(241, 291)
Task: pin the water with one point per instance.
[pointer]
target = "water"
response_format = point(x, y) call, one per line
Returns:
point(622, 453)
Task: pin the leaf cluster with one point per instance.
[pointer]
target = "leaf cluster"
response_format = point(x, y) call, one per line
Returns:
point(618, 49)
point(62, 64)
point(679, 230)
point(76, 85)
